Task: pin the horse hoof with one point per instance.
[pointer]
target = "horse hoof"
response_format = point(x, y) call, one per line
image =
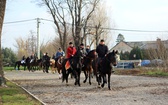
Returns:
point(102, 85)
point(84, 81)
point(90, 83)
point(99, 86)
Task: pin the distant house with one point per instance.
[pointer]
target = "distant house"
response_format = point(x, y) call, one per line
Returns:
point(128, 46)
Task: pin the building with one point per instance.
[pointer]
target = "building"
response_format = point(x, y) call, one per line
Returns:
point(128, 46)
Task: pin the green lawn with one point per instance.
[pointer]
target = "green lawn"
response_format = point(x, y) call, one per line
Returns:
point(14, 95)
point(11, 68)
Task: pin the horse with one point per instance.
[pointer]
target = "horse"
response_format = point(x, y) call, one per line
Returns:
point(34, 64)
point(75, 67)
point(105, 67)
point(87, 65)
point(46, 64)
point(52, 66)
point(19, 63)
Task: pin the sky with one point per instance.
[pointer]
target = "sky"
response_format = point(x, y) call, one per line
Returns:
point(143, 15)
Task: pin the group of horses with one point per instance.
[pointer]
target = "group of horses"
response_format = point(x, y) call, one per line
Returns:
point(33, 64)
point(88, 64)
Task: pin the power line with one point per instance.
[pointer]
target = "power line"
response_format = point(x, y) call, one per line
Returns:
point(105, 28)
point(21, 21)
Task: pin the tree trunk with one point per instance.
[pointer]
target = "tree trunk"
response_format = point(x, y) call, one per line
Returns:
point(2, 13)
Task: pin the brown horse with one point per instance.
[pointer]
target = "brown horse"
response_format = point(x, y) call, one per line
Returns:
point(52, 66)
point(104, 67)
point(58, 65)
point(87, 62)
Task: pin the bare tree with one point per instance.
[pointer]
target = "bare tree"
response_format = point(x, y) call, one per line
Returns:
point(72, 13)
point(96, 24)
point(159, 52)
point(2, 13)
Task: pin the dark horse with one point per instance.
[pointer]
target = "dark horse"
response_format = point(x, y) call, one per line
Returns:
point(87, 62)
point(46, 64)
point(35, 64)
point(18, 63)
point(75, 68)
point(105, 67)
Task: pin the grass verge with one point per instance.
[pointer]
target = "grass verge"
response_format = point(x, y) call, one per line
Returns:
point(14, 95)
point(143, 72)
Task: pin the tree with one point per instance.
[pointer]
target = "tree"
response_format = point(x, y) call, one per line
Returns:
point(70, 12)
point(97, 21)
point(124, 55)
point(136, 54)
point(2, 13)
point(8, 56)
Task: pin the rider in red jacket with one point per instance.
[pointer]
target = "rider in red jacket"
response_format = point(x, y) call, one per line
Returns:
point(71, 50)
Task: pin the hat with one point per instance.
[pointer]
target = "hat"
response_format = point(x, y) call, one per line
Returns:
point(102, 40)
point(70, 43)
point(81, 44)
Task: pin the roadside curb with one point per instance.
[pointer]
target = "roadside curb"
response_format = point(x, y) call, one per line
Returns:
point(32, 95)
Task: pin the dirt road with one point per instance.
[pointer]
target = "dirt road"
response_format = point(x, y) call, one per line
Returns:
point(126, 90)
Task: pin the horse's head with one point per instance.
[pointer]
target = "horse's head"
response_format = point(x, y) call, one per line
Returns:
point(92, 54)
point(113, 57)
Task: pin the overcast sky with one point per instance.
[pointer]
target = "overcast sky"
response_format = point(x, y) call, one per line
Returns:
point(147, 15)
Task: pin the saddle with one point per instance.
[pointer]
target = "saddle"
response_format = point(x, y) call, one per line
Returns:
point(67, 64)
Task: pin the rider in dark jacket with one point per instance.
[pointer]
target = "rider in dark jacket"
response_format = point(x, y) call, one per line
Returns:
point(101, 49)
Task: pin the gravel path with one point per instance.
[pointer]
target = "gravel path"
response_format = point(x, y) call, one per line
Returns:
point(126, 90)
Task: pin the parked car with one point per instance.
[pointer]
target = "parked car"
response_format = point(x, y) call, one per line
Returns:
point(145, 62)
point(157, 61)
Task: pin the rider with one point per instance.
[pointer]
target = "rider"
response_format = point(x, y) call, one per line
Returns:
point(87, 49)
point(59, 53)
point(23, 59)
point(82, 50)
point(71, 50)
point(101, 50)
point(32, 58)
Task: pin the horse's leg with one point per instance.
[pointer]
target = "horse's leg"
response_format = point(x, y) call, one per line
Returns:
point(98, 80)
point(79, 77)
point(24, 67)
point(104, 80)
point(67, 74)
point(90, 75)
point(47, 68)
point(86, 76)
point(109, 76)
point(59, 72)
point(18, 67)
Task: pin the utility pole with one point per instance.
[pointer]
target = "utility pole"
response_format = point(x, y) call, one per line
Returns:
point(38, 39)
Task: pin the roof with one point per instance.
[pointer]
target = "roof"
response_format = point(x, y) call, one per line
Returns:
point(127, 46)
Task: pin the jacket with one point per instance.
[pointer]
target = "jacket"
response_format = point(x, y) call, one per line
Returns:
point(101, 50)
point(71, 51)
